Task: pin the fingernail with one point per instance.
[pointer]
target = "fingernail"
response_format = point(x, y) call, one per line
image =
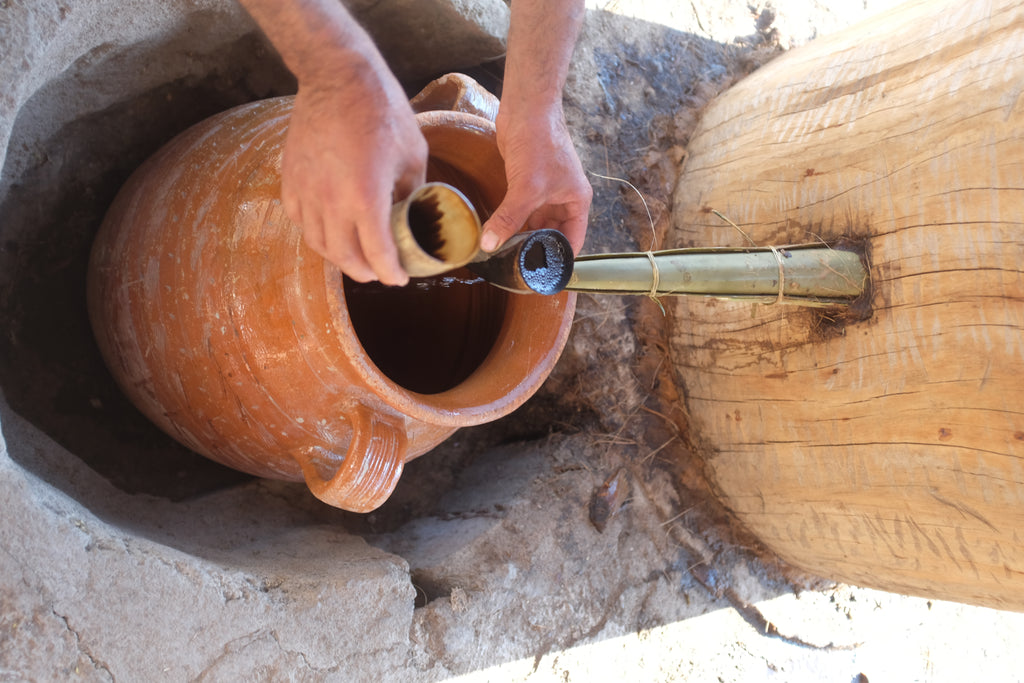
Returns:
point(489, 241)
point(395, 280)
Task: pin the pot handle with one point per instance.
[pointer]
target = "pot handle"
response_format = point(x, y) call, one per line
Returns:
point(456, 92)
point(370, 470)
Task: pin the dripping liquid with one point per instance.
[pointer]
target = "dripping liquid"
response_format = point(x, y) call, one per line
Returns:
point(432, 334)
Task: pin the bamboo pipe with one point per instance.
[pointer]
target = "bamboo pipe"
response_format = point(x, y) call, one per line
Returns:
point(807, 275)
point(814, 275)
point(436, 230)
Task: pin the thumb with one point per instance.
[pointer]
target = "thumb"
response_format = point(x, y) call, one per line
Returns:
point(506, 221)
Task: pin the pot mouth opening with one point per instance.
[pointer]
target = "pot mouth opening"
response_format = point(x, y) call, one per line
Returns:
point(431, 335)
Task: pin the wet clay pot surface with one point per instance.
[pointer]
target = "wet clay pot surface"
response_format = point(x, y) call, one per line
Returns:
point(243, 344)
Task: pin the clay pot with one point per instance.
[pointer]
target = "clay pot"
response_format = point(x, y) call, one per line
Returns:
point(246, 346)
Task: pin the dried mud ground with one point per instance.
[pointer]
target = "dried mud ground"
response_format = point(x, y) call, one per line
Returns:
point(573, 540)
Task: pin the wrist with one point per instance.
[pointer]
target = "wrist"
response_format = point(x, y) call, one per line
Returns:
point(530, 116)
point(532, 102)
point(338, 57)
point(319, 40)
point(340, 71)
point(541, 40)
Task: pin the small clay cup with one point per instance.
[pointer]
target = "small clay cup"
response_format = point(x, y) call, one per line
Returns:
point(242, 343)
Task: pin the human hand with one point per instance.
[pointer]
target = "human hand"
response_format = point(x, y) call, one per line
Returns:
point(353, 149)
point(546, 184)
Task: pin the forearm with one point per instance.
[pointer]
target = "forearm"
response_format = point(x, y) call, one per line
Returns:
point(318, 39)
point(541, 38)
point(546, 184)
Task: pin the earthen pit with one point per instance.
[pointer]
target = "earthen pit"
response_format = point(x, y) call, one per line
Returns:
point(62, 177)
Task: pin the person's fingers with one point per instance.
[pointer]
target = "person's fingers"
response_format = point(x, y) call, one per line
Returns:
point(292, 206)
point(552, 217)
point(575, 230)
point(510, 216)
point(378, 247)
point(326, 231)
point(313, 234)
point(342, 248)
point(571, 221)
point(341, 170)
point(413, 176)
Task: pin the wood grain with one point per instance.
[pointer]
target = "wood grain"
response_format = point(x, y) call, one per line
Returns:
point(887, 452)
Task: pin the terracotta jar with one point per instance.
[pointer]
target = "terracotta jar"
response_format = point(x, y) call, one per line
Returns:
point(246, 346)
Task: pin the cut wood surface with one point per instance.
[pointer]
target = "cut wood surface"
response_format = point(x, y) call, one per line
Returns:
point(886, 452)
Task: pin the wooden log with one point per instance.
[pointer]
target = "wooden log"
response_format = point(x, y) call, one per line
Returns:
point(889, 451)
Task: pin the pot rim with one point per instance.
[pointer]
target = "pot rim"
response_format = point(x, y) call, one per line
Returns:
point(532, 348)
